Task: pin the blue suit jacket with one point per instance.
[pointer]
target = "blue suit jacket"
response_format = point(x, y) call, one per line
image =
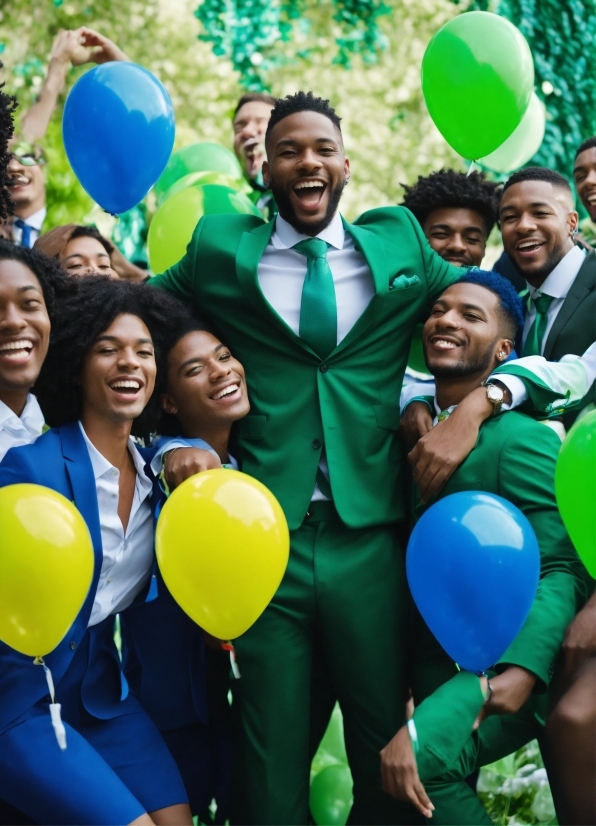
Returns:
point(59, 460)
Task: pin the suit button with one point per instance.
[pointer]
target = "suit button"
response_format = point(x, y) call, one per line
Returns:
point(323, 368)
point(317, 443)
point(309, 513)
point(73, 645)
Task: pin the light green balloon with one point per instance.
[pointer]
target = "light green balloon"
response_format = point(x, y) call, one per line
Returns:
point(523, 143)
point(198, 157)
point(331, 796)
point(575, 487)
point(477, 79)
point(219, 178)
point(175, 221)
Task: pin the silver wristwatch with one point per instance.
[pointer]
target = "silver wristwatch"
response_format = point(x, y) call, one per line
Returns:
point(495, 395)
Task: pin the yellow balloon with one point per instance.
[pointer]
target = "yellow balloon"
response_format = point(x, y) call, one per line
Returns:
point(222, 545)
point(46, 567)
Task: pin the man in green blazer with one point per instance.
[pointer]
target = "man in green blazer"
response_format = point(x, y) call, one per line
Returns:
point(321, 312)
point(462, 722)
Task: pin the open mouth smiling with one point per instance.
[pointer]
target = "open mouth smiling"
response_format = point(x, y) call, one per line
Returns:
point(231, 392)
point(15, 351)
point(309, 192)
point(444, 343)
point(126, 387)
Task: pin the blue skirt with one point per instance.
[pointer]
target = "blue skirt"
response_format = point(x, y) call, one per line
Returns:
point(116, 766)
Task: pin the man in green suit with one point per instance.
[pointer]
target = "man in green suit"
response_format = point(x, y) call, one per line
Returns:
point(462, 721)
point(321, 312)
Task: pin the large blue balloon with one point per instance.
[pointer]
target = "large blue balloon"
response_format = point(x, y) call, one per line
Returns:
point(118, 129)
point(473, 566)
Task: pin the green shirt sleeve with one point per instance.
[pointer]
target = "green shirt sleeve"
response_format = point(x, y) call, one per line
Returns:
point(526, 478)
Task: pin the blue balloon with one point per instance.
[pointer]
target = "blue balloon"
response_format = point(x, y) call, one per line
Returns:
point(473, 566)
point(118, 129)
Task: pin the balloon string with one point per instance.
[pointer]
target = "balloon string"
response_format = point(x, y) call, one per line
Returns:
point(471, 168)
point(55, 707)
point(227, 646)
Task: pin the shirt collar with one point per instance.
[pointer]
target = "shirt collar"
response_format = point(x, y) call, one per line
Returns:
point(558, 282)
point(36, 220)
point(101, 466)
point(285, 236)
point(31, 418)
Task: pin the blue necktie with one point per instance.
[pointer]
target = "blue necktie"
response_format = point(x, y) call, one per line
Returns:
point(26, 230)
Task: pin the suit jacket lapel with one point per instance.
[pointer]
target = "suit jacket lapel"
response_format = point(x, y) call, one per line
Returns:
point(250, 251)
point(583, 283)
point(80, 472)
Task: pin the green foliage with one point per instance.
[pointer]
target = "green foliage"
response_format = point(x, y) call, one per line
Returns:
point(515, 789)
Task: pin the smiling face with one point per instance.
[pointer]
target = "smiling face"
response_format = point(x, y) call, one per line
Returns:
point(306, 169)
point(537, 222)
point(118, 373)
point(458, 234)
point(24, 328)
point(250, 125)
point(584, 175)
point(465, 333)
point(206, 388)
point(86, 256)
point(27, 187)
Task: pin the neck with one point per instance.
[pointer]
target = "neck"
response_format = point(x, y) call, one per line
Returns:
point(15, 399)
point(450, 391)
point(110, 438)
point(217, 437)
point(26, 210)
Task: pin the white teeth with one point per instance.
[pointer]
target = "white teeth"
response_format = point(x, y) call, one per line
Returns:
point(309, 184)
point(16, 345)
point(227, 391)
point(528, 246)
point(132, 384)
point(446, 345)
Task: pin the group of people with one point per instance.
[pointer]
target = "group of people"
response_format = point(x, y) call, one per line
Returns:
point(139, 386)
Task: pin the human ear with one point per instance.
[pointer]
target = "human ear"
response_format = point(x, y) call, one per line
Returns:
point(167, 404)
point(504, 348)
point(266, 175)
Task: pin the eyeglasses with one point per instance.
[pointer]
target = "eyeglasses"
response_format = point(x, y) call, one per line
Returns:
point(28, 154)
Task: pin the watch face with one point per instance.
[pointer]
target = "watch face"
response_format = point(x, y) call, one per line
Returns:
point(494, 394)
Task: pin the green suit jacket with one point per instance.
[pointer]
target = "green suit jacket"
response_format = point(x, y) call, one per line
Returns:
point(350, 402)
point(515, 457)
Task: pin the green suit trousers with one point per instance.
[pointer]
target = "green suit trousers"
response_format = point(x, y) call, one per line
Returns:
point(343, 599)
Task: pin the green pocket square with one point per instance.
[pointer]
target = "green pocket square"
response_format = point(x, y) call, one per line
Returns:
point(402, 282)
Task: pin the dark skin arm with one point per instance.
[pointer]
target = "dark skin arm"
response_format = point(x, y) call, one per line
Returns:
point(183, 462)
point(441, 449)
point(580, 637)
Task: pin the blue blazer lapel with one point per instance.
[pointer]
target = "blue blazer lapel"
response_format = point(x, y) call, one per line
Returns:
point(82, 480)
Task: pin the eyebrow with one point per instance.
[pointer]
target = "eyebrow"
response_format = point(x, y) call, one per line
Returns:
point(534, 204)
point(192, 359)
point(292, 141)
point(118, 340)
point(80, 255)
point(29, 287)
point(449, 228)
point(465, 306)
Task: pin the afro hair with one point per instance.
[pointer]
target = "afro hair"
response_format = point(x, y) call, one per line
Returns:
point(8, 104)
point(448, 188)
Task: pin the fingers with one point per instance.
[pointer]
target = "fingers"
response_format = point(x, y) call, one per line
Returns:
point(434, 484)
point(420, 799)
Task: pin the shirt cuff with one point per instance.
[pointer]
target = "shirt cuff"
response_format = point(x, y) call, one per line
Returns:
point(516, 387)
point(418, 391)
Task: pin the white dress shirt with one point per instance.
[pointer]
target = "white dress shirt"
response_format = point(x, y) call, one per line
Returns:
point(20, 430)
point(127, 557)
point(35, 221)
point(557, 284)
point(282, 271)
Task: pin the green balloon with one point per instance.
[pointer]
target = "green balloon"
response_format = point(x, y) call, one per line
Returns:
point(523, 143)
point(333, 739)
point(477, 79)
point(175, 221)
point(331, 796)
point(575, 486)
point(199, 157)
point(219, 178)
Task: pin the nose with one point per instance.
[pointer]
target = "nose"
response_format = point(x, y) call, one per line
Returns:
point(218, 370)
point(526, 223)
point(14, 166)
point(456, 243)
point(249, 130)
point(129, 360)
point(310, 160)
point(449, 320)
point(11, 319)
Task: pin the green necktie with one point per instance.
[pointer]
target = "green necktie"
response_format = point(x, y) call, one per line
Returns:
point(533, 345)
point(318, 309)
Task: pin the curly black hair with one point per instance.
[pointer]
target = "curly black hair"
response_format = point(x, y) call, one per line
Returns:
point(86, 313)
point(538, 173)
point(8, 104)
point(301, 102)
point(448, 188)
point(590, 143)
point(55, 284)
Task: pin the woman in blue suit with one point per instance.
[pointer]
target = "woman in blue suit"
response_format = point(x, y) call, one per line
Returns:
point(95, 387)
